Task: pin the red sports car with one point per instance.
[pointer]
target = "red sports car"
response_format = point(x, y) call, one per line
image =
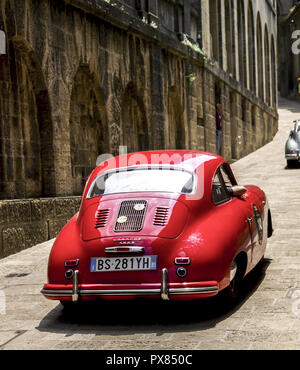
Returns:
point(168, 225)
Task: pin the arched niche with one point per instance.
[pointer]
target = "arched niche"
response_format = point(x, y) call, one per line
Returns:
point(251, 48)
point(267, 67)
point(242, 42)
point(26, 131)
point(134, 126)
point(89, 136)
point(175, 131)
point(259, 47)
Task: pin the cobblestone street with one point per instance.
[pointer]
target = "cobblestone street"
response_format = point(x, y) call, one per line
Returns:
point(266, 317)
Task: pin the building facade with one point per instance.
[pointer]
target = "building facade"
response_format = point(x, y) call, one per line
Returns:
point(289, 48)
point(82, 78)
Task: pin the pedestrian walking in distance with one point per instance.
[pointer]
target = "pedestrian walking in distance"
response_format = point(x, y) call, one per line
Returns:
point(219, 128)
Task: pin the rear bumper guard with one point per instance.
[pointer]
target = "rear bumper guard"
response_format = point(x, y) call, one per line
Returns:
point(165, 291)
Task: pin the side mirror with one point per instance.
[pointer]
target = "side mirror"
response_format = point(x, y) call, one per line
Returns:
point(238, 191)
point(291, 133)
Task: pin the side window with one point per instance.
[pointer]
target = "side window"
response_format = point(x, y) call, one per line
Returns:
point(220, 193)
point(226, 178)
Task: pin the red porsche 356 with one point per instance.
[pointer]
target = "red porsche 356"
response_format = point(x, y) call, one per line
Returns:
point(164, 225)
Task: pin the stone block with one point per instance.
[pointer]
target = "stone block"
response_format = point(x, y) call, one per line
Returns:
point(64, 207)
point(3, 213)
point(13, 240)
point(35, 233)
point(55, 226)
point(48, 208)
point(67, 207)
point(36, 209)
point(18, 211)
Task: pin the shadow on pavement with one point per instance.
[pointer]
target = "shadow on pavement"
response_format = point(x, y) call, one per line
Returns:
point(117, 318)
point(293, 166)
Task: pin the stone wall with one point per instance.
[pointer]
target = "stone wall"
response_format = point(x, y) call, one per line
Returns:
point(82, 78)
point(27, 222)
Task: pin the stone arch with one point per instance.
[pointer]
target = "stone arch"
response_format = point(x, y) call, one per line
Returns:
point(267, 67)
point(233, 41)
point(233, 125)
point(273, 72)
point(176, 133)
point(259, 48)
point(89, 136)
point(251, 48)
point(134, 125)
point(242, 42)
point(27, 154)
point(228, 30)
point(214, 29)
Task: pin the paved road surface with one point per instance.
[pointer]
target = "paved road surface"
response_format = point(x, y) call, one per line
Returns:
point(266, 317)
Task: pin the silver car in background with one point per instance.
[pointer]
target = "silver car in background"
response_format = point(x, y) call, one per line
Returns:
point(292, 146)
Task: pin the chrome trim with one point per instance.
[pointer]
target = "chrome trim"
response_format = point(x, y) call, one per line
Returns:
point(123, 292)
point(76, 263)
point(292, 156)
point(75, 290)
point(164, 285)
point(202, 290)
point(182, 263)
point(58, 293)
point(124, 249)
point(127, 239)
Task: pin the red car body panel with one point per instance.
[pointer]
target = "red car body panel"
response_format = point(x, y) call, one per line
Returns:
point(210, 235)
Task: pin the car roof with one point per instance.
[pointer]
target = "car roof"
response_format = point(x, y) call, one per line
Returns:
point(184, 159)
point(187, 159)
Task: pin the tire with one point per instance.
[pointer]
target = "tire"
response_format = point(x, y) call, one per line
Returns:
point(290, 164)
point(234, 288)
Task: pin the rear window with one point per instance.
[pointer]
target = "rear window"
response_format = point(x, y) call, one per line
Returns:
point(168, 180)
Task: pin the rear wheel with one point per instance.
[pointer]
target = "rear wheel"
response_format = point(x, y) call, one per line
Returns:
point(236, 276)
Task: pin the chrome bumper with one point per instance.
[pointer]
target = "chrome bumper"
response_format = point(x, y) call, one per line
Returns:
point(292, 157)
point(164, 291)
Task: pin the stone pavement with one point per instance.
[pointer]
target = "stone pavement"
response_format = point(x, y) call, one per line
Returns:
point(266, 317)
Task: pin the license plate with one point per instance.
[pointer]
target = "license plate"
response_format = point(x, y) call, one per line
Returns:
point(123, 263)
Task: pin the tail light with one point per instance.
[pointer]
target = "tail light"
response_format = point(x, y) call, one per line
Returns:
point(71, 263)
point(182, 261)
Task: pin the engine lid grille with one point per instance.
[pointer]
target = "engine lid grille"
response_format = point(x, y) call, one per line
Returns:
point(161, 216)
point(131, 215)
point(101, 218)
